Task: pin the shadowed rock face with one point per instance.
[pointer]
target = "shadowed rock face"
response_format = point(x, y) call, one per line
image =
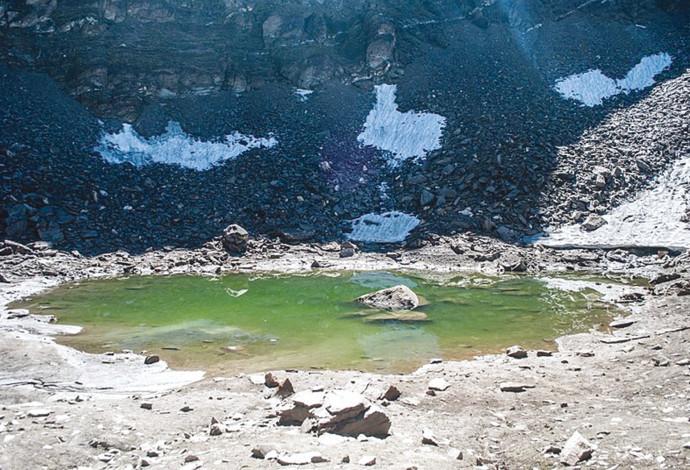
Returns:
point(115, 55)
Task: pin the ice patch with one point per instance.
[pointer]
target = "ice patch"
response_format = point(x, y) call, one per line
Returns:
point(593, 87)
point(389, 227)
point(404, 135)
point(303, 95)
point(175, 147)
point(652, 219)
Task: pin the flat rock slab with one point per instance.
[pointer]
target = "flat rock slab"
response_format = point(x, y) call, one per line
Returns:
point(405, 317)
point(621, 323)
point(394, 298)
point(515, 387)
point(301, 459)
point(439, 385)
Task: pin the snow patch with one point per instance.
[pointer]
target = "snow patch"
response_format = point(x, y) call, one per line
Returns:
point(404, 135)
point(654, 218)
point(303, 95)
point(609, 292)
point(389, 227)
point(593, 87)
point(175, 147)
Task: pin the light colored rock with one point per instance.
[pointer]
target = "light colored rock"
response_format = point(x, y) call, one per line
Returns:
point(394, 298)
point(304, 458)
point(309, 399)
point(455, 454)
point(576, 449)
point(262, 451)
point(39, 413)
point(405, 317)
point(367, 461)
point(438, 384)
point(344, 404)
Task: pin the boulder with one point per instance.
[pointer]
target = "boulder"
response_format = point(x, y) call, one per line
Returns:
point(394, 298)
point(337, 412)
point(235, 239)
point(592, 223)
point(576, 449)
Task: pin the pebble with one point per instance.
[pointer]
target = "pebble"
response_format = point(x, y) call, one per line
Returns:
point(39, 413)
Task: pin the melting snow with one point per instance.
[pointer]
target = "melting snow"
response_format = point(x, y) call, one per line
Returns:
point(592, 87)
point(303, 95)
point(175, 147)
point(404, 135)
point(653, 218)
point(389, 227)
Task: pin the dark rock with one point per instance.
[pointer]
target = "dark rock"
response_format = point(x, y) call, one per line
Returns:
point(151, 360)
point(517, 352)
point(391, 394)
point(235, 239)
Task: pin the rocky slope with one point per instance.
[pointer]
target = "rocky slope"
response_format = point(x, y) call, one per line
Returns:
point(73, 71)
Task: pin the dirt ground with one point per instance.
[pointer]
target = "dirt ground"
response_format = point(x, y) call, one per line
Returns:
point(625, 390)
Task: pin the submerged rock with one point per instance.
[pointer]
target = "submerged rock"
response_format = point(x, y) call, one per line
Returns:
point(399, 297)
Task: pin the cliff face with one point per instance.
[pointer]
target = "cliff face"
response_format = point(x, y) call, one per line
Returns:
point(113, 55)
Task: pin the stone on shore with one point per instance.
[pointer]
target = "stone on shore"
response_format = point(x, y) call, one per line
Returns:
point(235, 239)
point(576, 449)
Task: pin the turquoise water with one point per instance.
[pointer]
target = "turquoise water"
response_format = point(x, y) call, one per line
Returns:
point(259, 322)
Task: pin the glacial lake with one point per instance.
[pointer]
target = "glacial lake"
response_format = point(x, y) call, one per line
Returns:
point(258, 322)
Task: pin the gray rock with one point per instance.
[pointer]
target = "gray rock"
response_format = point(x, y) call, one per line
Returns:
point(235, 239)
point(576, 449)
point(262, 451)
point(304, 458)
point(395, 298)
point(592, 223)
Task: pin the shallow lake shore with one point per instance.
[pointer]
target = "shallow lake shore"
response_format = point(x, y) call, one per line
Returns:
point(623, 389)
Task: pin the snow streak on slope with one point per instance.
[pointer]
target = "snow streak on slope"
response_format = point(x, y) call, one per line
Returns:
point(175, 147)
point(652, 219)
point(592, 87)
point(404, 135)
point(389, 227)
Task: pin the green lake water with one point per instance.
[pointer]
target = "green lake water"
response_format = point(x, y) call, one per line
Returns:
point(258, 322)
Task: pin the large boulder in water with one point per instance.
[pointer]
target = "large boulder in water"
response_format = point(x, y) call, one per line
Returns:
point(235, 239)
point(394, 298)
